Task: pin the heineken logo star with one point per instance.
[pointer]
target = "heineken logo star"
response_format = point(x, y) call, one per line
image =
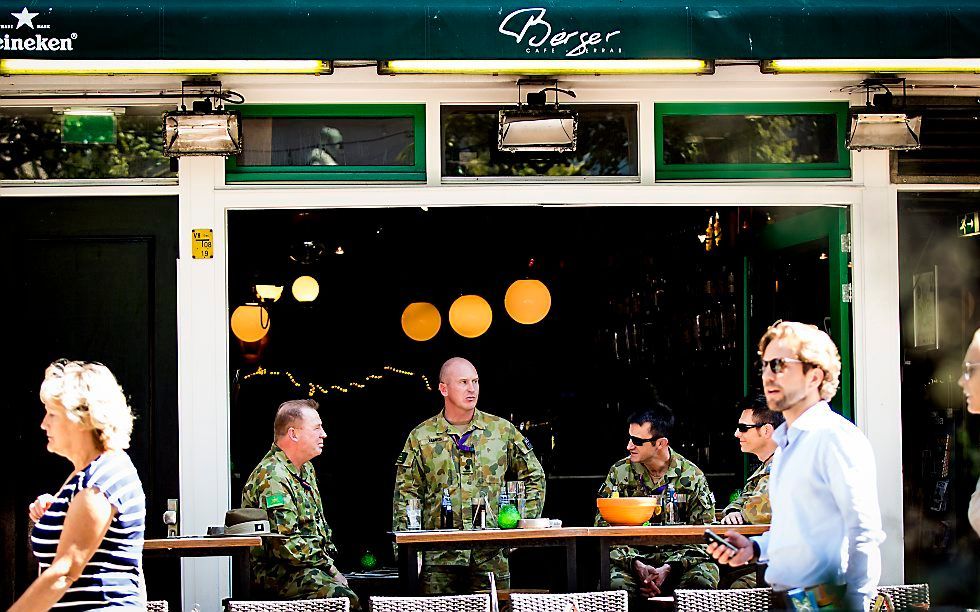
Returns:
point(25, 17)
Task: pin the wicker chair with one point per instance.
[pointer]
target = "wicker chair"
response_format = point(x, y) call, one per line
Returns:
point(904, 596)
point(725, 600)
point(606, 601)
point(157, 606)
point(446, 603)
point(334, 604)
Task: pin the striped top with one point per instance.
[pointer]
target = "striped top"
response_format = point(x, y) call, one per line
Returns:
point(114, 575)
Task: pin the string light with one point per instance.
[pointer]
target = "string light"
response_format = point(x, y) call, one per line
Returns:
point(313, 388)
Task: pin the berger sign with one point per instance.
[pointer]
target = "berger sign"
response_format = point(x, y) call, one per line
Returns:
point(530, 28)
point(28, 40)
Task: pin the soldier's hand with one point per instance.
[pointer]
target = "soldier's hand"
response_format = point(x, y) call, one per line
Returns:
point(649, 587)
point(338, 576)
point(725, 556)
point(733, 518)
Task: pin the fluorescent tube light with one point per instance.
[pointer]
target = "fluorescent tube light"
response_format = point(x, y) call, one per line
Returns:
point(890, 66)
point(547, 67)
point(190, 67)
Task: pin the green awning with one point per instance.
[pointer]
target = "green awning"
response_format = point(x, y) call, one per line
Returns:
point(462, 29)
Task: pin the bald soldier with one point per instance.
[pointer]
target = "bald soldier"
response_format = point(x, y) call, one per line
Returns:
point(301, 564)
point(471, 454)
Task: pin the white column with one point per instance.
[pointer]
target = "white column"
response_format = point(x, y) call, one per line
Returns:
point(877, 339)
point(202, 382)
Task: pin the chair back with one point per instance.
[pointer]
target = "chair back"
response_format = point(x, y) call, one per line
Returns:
point(157, 606)
point(605, 601)
point(904, 596)
point(725, 600)
point(445, 603)
point(334, 604)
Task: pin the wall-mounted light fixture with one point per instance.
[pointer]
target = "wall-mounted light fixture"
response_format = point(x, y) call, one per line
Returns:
point(871, 66)
point(537, 125)
point(204, 130)
point(880, 124)
point(188, 67)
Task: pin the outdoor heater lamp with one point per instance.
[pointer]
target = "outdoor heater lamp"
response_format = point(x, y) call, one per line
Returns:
point(216, 132)
point(872, 129)
point(537, 126)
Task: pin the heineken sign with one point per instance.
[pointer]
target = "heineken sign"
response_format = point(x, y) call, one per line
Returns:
point(29, 34)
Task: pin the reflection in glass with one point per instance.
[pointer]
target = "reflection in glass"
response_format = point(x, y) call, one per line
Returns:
point(327, 141)
point(750, 139)
point(31, 147)
point(607, 145)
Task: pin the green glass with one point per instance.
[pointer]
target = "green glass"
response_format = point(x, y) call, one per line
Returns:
point(508, 517)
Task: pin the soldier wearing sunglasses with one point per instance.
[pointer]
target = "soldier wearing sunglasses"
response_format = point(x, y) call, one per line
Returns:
point(754, 432)
point(652, 465)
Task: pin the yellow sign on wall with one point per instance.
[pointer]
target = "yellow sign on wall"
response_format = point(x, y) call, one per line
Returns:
point(202, 241)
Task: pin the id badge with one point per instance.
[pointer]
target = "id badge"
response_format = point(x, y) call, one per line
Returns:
point(466, 469)
point(802, 600)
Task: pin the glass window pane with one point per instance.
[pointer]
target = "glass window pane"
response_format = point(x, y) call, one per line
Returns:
point(327, 141)
point(32, 147)
point(750, 139)
point(607, 145)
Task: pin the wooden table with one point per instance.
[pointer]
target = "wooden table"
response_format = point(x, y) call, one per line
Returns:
point(410, 543)
point(657, 535)
point(199, 546)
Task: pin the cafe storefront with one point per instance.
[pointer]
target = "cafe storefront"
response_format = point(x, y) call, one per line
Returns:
point(705, 199)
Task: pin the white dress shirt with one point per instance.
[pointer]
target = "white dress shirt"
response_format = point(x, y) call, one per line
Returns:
point(975, 509)
point(826, 524)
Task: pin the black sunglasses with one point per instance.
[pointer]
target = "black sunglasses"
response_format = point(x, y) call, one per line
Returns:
point(778, 364)
point(744, 427)
point(641, 441)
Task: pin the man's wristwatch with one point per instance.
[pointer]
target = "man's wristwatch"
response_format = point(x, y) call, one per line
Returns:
point(756, 551)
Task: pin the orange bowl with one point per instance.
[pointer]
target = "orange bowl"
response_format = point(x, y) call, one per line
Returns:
point(626, 510)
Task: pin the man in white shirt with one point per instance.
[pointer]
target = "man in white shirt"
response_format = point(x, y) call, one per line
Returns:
point(823, 544)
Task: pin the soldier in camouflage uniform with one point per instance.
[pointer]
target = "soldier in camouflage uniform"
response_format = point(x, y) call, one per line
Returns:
point(755, 427)
point(652, 466)
point(300, 565)
point(470, 453)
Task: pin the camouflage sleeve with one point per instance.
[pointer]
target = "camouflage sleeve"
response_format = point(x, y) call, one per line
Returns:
point(736, 505)
point(296, 549)
point(408, 484)
point(757, 509)
point(525, 465)
point(605, 491)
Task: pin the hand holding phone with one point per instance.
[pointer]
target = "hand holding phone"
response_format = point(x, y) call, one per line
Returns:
point(712, 537)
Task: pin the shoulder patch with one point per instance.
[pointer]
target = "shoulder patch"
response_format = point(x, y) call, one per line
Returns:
point(402, 457)
point(274, 501)
point(527, 443)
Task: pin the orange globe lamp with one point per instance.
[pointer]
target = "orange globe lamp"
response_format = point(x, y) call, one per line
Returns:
point(305, 289)
point(421, 321)
point(470, 316)
point(527, 301)
point(250, 323)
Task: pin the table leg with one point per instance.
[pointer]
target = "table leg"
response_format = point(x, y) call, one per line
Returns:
point(571, 565)
point(603, 564)
point(241, 582)
point(408, 569)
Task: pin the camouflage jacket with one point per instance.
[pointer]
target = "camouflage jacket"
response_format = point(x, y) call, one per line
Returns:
point(431, 461)
point(753, 503)
point(633, 480)
point(292, 499)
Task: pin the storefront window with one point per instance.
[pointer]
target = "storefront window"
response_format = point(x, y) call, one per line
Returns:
point(752, 140)
point(35, 145)
point(607, 145)
point(332, 142)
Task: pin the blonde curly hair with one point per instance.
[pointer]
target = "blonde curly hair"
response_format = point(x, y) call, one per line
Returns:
point(92, 398)
point(813, 347)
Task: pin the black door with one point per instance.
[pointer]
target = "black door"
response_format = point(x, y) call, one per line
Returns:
point(92, 279)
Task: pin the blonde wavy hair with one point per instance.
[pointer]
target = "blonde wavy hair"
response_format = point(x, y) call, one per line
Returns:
point(92, 398)
point(813, 347)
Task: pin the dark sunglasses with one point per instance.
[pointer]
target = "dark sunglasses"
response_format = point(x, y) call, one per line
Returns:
point(641, 441)
point(777, 365)
point(744, 427)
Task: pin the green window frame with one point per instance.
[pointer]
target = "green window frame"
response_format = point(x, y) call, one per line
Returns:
point(416, 172)
point(839, 169)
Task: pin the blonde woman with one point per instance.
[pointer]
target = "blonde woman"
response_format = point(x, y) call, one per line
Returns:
point(970, 383)
point(88, 537)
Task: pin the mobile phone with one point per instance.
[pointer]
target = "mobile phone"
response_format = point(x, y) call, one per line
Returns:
point(711, 536)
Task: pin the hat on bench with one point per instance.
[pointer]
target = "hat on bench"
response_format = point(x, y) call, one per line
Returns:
point(246, 521)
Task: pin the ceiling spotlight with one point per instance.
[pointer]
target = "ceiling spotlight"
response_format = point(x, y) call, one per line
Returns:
point(879, 124)
point(537, 125)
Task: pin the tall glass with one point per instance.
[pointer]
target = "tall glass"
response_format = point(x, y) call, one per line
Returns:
point(517, 495)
